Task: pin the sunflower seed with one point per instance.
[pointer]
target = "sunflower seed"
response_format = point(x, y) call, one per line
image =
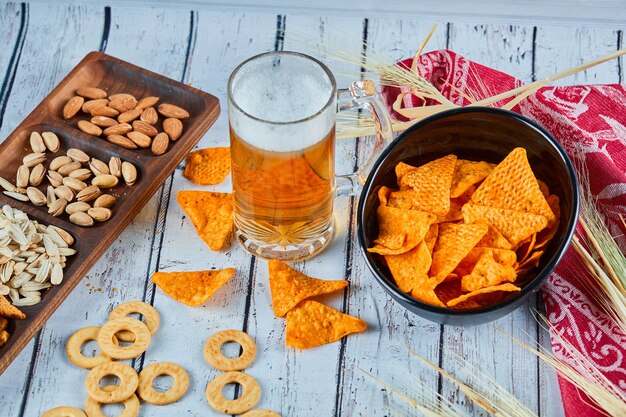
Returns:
point(7, 185)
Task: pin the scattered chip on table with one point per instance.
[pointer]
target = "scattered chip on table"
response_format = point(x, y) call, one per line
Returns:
point(289, 287)
point(208, 166)
point(9, 311)
point(192, 288)
point(313, 324)
point(211, 214)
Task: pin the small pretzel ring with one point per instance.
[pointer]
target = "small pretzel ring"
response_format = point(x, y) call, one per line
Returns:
point(139, 345)
point(213, 350)
point(146, 310)
point(131, 405)
point(64, 412)
point(250, 397)
point(127, 386)
point(146, 390)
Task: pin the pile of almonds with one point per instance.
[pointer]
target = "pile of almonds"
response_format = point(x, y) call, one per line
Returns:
point(126, 121)
point(32, 256)
point(75, 180)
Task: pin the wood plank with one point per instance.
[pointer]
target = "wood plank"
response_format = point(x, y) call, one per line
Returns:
point(390, 325)
point(12, 31)
point(573, 47)
point(120, 275)
point(223, 40)
point(507, 48)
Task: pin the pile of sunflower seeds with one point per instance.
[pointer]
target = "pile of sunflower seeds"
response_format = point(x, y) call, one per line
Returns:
point(32, 256)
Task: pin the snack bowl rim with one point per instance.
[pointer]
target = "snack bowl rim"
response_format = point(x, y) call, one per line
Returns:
point(475, 316)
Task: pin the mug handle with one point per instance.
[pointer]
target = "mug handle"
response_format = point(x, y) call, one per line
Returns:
point(363, 95)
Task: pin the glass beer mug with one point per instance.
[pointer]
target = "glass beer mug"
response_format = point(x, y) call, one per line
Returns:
point(282, 108)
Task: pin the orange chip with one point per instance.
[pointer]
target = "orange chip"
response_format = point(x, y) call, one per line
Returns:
point(208, 166)
point(410, 269)
point(402, 199)
point(192, 288)
point(467, 173)
point(487, 273)
point(449, 290)
point(452, 215)
point(526, 248)
point(431, 237)
point(211, 214)
point(531, 261)
point(427, 294)
point(313, 324)
point(515, 226)
point(454, 242)
point(401, 170)
point(465, 197)
point(383, 195)
point(502, 256)
point(512, 185)
point(400, 230)
point(431, 183)
point(289, 287)
point(546, 235)
point(494, 239)
point(8, 310)
point(508, 287)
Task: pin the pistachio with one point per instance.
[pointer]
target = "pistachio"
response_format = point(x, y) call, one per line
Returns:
point(82, 219)
point(129, 172)
point(98, 167)
point(78, 206)
point(51, 140)
point(105, 180)
point(88, 194)
point(33, 159)
point(35, 196)
point(23, 176)
point(77, 155)
point(64, 192)
point(58, 162)
point(74, 184)
point(36, 143)
point(105, 200)
point(57, 207)
point(37, 174)
point(115, 166)
point(67, 169)
point(55, 179)
point(50, 196)
point(99, 214)
point(82, 174)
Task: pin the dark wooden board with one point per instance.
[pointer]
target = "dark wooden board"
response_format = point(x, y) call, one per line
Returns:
point(114, 76)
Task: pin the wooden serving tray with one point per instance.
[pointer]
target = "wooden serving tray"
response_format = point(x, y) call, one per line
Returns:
point(114, 76)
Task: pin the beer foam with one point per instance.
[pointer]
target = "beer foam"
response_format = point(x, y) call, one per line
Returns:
point(281, 94)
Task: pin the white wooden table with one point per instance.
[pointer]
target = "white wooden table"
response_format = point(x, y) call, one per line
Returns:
point(40, 43)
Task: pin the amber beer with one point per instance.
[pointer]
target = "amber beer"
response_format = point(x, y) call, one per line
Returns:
point(282, 110)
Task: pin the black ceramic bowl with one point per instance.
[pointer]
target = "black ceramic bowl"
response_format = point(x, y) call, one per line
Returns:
point(480, 134)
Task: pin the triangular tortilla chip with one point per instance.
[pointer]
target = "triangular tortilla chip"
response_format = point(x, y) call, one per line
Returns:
point(512, 185)
point(449, 290)
point(452, 215)
point(494, 239)
point(410, 269)
point(383, 195)
point(467, 173)
point(8, 310)
point(504, 257)
point(401, 170)
point(453, 244)
point(431, 237)
point(508, 287)
point(313, 324)
point(400, 230)
point(211, 214)
point(289, 287)
point(515, 226)
point(192, 288)
point(208, 166)
point(431, 183)
point(487, 273)
point(402, 199)
point(546, 235)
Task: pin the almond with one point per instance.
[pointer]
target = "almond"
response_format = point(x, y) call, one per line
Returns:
point(145, 128)
point(149, 116)
point(93, 104)
point(129, 116)
point(89, 128)
point(173, 127)
point(141, 140)
point(104, 111)
point(122, 141)
point(51, 140)
point(146, 102)
point(122, 96)
point(122, 102)
point(91, 92)
point(72, 107)
point(118, 129)
point(36, 142)
point(160, 144)
point(170, 110)
point(103, 121)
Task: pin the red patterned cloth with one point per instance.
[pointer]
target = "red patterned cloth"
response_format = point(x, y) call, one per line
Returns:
point(591, 118)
